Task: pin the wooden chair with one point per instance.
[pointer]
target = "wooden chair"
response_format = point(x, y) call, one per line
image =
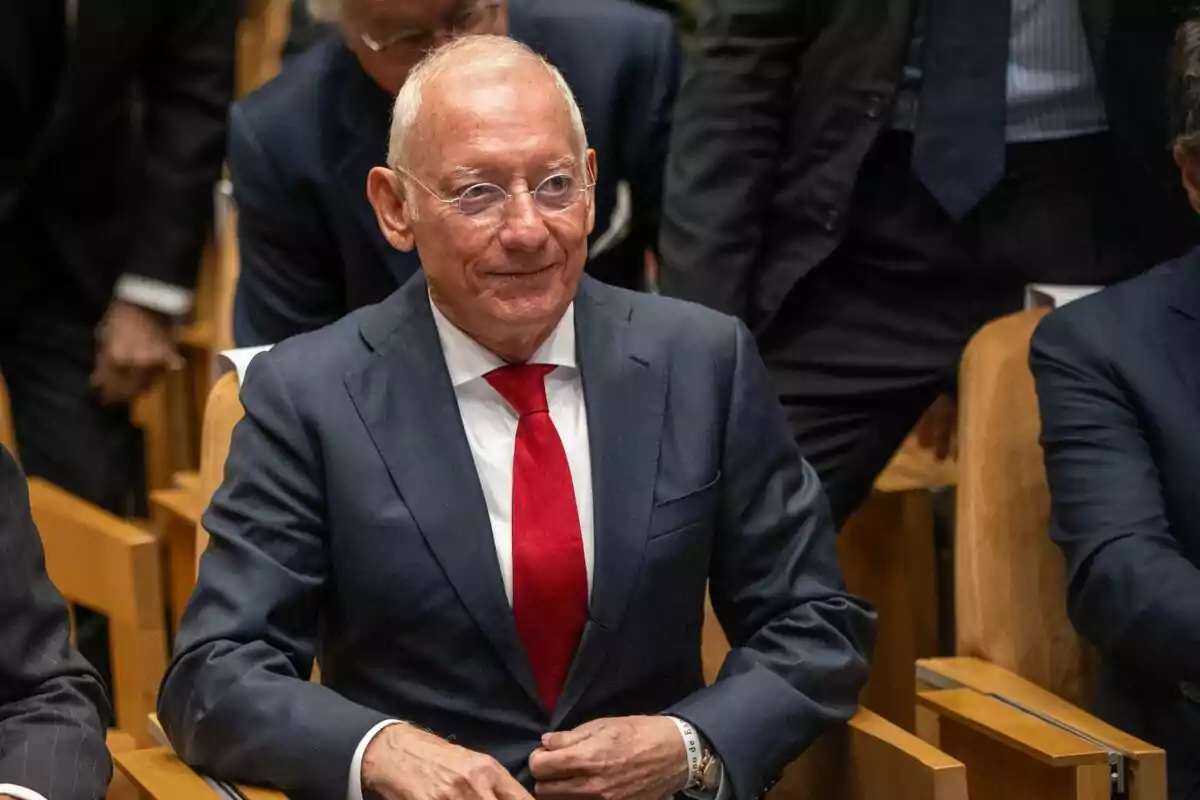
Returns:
point(1018, 651)
point(104, 563)
point(888, 557)
point(871, 759)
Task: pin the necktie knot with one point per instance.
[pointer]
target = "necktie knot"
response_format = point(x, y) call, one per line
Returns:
point(523, 386)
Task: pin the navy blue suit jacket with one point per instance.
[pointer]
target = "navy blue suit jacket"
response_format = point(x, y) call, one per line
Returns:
point(352, 525)
point(301, 147)
point(1118, 379)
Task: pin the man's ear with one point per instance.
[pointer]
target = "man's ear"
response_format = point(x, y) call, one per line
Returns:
point(591, 208)
point(1189, 172)
point(392, 207)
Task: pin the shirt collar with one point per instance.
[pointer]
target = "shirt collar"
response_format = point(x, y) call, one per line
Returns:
point(467, 359)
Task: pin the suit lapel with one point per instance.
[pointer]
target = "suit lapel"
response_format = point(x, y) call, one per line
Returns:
point(407, 403)
point(364, 113)
point(625, 391)
point(1182, 332)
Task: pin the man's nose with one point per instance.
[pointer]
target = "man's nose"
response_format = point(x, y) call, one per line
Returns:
point(524, 226)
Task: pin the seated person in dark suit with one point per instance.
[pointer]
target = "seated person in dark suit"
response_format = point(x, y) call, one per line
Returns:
point(53, 711)
point(492, 504)
point(301, 147)
point(1118, 380)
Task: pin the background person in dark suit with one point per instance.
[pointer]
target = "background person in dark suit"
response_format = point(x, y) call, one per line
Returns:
point(302, 146)
point(492, 504)
point(113, 138)
point(867, 182)
point(53, 711)
point(1118, 381)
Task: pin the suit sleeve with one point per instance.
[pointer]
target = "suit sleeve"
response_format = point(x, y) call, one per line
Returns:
point(289, 282)
point(800, 643)
point(648, 128)
point(53, 711)
point(187, 85)
point(726, 149)
point(237, 702)
point(1131, 591)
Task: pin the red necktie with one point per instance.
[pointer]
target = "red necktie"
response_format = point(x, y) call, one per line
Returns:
point(549, 586)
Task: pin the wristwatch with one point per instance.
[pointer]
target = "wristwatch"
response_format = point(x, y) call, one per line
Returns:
point(708, 774)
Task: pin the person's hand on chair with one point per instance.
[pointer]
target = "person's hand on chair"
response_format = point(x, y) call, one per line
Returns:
point(134, 346)
point(938, 428)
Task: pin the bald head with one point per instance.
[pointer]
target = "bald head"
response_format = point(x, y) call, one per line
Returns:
point(474, 77)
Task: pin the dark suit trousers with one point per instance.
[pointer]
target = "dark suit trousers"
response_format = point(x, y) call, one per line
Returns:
point(866, 341)
point(64, 435)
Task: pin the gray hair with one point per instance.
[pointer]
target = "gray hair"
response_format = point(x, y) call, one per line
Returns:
point(325, 11)
point(498, 52)
point(1185, 86)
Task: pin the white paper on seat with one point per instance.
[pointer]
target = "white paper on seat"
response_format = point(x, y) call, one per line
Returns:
point(238, 360)
point(1048, 295)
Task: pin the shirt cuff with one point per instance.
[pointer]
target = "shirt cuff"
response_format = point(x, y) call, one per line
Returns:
point(174, 301)
point(19, 792)
point(354, 789)
point(724, 790)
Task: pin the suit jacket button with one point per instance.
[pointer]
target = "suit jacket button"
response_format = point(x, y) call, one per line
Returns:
point(830, 220)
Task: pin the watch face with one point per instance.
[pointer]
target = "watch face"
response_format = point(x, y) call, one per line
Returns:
point(712, 772)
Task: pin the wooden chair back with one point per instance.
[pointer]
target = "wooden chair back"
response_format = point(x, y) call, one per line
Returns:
point(222, 414)
point(1010, 589)
point(102, 562)
point(870, 759)
point(261, 36)
point(7, 437)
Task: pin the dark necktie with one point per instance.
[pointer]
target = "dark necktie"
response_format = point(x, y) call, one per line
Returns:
point(958, 152)
point(549, 586)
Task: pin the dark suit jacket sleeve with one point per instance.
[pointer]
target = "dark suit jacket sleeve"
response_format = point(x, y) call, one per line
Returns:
point(800, 642)
point(236, 701)
point(289, 282)
point(647, 134)
point(53, 712)
point(1131, 591)
point(727, 147)
point(187, 84)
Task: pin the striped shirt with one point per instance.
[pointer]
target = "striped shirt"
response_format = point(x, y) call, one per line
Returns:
point(1052, 88)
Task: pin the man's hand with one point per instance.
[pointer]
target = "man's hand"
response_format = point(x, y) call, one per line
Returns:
point(135, 346)
point(938, 427)
point(624, 758)
point(405, 763)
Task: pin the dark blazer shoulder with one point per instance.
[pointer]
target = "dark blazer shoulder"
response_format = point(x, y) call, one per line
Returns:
point(286, 110)
point(1122, 313)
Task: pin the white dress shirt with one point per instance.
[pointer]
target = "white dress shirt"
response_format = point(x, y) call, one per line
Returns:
point(490, 424)
point(19, 792)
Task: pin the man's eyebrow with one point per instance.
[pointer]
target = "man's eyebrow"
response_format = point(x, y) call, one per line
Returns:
point(566, 162)
point(463, 173)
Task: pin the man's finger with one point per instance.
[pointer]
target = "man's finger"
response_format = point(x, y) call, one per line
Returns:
point(550, 765)
point(553, 790)
point(561, 739)
point(507, 787)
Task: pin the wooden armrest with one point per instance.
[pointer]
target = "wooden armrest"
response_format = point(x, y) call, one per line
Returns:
point(182, 502)
point(162, 776)
point(888, 761)
point(1012, 727)
point(987, 678)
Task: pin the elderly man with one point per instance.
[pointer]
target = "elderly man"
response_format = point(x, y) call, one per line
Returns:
point(491, 505)
point(52, 708)
point(301, 148)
